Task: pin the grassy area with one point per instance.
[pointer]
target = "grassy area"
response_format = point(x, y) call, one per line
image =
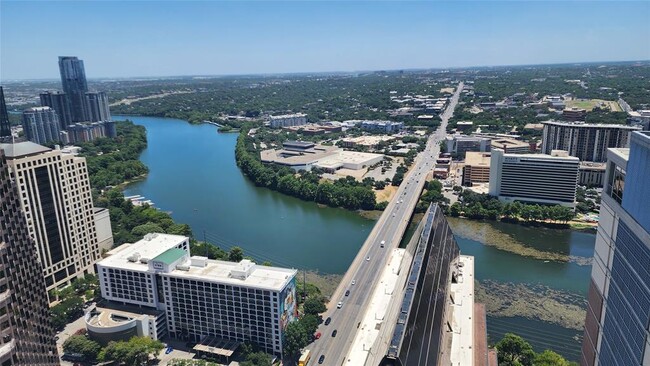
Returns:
point(589, 104)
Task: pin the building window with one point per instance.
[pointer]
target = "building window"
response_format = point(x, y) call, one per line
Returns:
point(616, 183)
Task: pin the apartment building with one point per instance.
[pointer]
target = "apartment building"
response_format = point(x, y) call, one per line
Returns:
point(287, 120)
point(587, 142)
point(55, 197)
point(27, 336)
point(41, 125)
point(203, 299)
point(574, 114)
point(536, 178)
point(382, 126)
point(591, 174)
point(618, 311)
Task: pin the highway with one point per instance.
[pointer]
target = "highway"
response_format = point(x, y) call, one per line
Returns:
point(361, 278)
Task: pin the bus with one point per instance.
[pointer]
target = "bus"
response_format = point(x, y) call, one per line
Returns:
point(304, 358)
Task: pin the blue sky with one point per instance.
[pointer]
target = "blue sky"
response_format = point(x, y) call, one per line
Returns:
point(128, 38)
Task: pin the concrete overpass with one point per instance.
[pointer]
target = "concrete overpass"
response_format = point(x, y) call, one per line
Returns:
point(361, 279)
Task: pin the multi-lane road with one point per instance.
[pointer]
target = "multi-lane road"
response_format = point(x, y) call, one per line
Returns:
point(349, 301)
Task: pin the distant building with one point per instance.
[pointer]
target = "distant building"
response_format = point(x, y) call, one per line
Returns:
point(574, 114)
point(287, 120)
point(299, 155)
point(84, 132)
point(372, 142)
point(591, 174)
point(586, 141)
point(59, 102)
point(476, 168)
point(382, 126)
point(27, 334)
point(461, 144)
point(536, 178)
point(75, 87)
point(464, 125)
point(640, 118)
point(616, 325)
point(511, 145)
point(98, 110)
point(238, 302)
point(41, 125)
point(57, 202)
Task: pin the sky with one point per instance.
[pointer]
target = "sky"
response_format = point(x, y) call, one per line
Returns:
point(167, 38)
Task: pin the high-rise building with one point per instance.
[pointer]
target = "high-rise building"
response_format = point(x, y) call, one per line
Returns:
point(41, 125)
point(5, 125)
point(461, 144)
point(202, 298)
point(537, 178)
point(618, 313)
point(27, 338)
point(586, 141)
point(59, 102)
point(98, 107)
point(73, 80)
point(55, 197)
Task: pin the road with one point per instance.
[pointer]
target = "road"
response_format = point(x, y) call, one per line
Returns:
point(372, 258)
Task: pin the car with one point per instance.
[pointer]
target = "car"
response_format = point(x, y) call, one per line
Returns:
point(368, 258)
point(339, 305)
point(393, 214)
point(383, 242)
point(321, 359)
point(353, 282)
point(169, 350)
point(334, 333)
point(347, 293)
point(317, 335)
point(328, 320)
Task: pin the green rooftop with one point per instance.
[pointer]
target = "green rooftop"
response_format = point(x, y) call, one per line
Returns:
point(169, 256)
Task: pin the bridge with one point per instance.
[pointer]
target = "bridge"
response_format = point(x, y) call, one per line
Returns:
point(350, 302)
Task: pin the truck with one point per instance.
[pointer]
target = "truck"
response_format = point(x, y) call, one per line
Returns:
point(304, 358)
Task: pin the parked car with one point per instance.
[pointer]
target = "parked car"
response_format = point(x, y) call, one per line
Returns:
point(328, 320)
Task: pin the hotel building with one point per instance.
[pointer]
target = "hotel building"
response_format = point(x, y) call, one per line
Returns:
point(618, 313)
point(534, 178)
point(202, 299)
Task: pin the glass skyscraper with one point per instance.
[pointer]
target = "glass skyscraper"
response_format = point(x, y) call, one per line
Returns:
point(73, 80)
point(617, 326)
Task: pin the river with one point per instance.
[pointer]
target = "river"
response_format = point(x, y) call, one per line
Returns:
point(193, 175)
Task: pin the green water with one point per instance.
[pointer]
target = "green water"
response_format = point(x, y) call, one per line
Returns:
point(194, 176)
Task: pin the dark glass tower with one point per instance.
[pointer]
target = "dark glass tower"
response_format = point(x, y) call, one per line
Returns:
point(26, 337)
point(73, 80)
point(5, 126)
point(59, 102)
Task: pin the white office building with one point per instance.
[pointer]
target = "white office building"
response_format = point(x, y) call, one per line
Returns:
point(534, 178)
point(203, 299)
point(288, 120)
point(56, 199)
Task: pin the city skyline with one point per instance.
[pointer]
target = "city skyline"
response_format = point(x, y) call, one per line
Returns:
point(269, 38)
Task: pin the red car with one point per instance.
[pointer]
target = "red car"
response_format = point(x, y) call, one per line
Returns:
point(317, 335)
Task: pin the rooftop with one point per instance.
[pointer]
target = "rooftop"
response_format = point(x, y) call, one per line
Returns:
point(462, 341)
point(20, 149)
point(289, 116)
point(170, 256)
point(151, 246)
point(590, 125)
point(477, 158)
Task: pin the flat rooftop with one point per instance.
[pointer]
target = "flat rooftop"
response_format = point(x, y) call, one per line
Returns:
point(368, 140)
point(21, 149)
point(477, 158)
point(151, 246)
point(350, 157)
point(590, 125)
point(462, 311)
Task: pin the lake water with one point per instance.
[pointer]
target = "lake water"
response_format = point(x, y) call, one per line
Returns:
point(193, 175)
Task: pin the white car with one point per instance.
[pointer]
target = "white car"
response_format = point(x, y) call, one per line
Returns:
point(382, 243)
point(339, 305)
point(353, 282)
point(367, 258)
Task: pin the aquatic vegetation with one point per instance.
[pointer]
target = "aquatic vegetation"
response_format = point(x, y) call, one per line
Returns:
point(538, 302)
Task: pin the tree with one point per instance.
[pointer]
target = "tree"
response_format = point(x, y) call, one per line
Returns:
point(295, 338)
point(149, 227)
point(83, 345)
point(513, 350)
point(135, 352)
point(258, 359)
point(550, 358)
point(314, 306)
point(236, 254)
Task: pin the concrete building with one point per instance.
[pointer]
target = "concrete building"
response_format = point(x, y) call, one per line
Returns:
point(640, 118)
point(27, 335)
point(73, 80)
point(535, 178)
point(57, 202)
point(84, 132)
point(382, 126)
point(41, 125)
point(511, 145)
point(59, 102)
point(616, 327)
point(300, 155)
point(116, 322)
point(202, 299)
point(461, 144)
point(287, 120)
point(587, 142)
point(98, 110)
point(591, 174)
point(574, 114)
point(476, 168)
point(103, 227)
